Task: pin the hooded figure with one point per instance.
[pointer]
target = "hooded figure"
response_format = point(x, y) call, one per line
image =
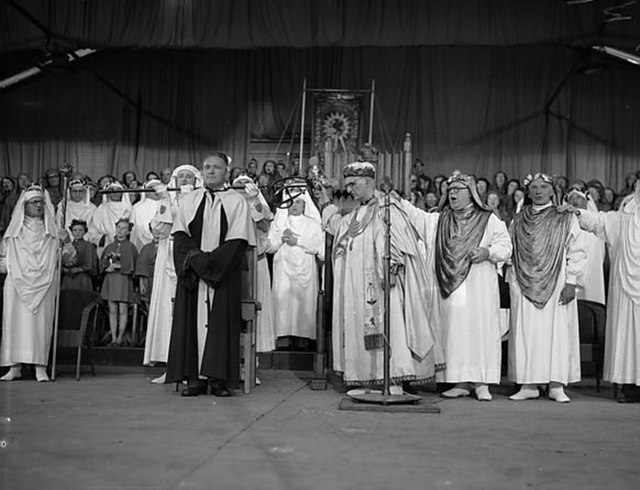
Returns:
point(114, 207)
point(142, 214)
point(156, 348)
point(28, 256)
point(78, 206)
point(297, 239)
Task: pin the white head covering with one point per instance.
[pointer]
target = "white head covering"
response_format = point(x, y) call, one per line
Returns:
point(310, 210)
point(75, 184)
point(173, 182)
point(116, 186)
point(17, 217)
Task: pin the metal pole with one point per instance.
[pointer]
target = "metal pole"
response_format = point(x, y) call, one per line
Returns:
point(387, 293)
point(371, 105)
point(57, 279)
point(304, 106)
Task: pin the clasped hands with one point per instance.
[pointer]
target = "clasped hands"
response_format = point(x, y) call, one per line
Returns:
point(289, 237)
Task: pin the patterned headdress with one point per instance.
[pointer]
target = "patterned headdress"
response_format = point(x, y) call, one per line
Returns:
point(359, 169)
point(76, 184)
point(469, 182)
point(538, 176)
point(32, 191)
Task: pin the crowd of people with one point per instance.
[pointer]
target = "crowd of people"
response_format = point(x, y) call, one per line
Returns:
point(462, 249)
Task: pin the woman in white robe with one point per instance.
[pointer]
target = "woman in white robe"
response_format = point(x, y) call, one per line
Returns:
point(297, 238)
point(28, 255)
point(156, 347)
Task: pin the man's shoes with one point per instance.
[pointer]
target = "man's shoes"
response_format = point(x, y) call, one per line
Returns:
point(527, 392)
point(456, 392)
point(482, 392)
point(15, 372)
point(194, 389)
point(623, 398)
point(41, 374)
point(218, 389)
point(557, 394)
point(409, 388)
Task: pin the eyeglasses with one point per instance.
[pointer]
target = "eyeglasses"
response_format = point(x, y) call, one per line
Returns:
point(455, 190)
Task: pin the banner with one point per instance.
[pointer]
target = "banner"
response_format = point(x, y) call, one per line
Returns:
point(336, 122)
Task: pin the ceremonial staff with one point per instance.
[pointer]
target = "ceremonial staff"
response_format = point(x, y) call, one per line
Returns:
point(66, 173)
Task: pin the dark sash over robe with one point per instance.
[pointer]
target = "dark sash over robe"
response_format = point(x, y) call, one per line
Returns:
point(458, 234)
point(539, 238)
point(221, 270)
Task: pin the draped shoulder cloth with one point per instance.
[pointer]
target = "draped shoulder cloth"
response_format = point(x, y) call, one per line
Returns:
point(539, 239)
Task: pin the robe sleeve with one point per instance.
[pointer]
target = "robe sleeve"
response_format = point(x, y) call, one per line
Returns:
point(500, 246)
point(313, 241)
point(575, 255)
point(274, 239)
point(183, 249)
point(214, 267)
point(331, 219)
point(605, 225)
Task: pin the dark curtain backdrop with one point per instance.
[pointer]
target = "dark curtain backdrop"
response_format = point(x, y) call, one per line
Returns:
point(243, 24)
point(479, 109)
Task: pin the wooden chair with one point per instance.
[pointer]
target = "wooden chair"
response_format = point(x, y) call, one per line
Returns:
point(592, 320)
point(76, 323)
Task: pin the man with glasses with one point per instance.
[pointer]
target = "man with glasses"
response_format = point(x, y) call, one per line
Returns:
point(28, 256)
point(467, 245)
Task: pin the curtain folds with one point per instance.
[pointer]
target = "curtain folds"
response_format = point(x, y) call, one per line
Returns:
point(244, 24)
point(478, 109)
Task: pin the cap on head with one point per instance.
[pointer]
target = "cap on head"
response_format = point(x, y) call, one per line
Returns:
point(359, 169)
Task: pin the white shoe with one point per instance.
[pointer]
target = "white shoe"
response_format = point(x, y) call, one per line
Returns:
point(258, 382)
point(41, 374)
point(482, 392)
point(456, 392)
point(527, 392)
point(160, 380)
point(558, 395)
point(15, 372)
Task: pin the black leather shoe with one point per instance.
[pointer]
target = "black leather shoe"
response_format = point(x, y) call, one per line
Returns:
point(194, 390)
point(220, 390)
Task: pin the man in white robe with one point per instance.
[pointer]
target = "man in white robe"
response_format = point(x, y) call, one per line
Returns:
point(466, 246)
point(297, 239)
point(358, 297)
point(156, 347)
point(28, 255)
point(621, 231)
point(548, 264)
point(142, 214)
point(78, 206)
